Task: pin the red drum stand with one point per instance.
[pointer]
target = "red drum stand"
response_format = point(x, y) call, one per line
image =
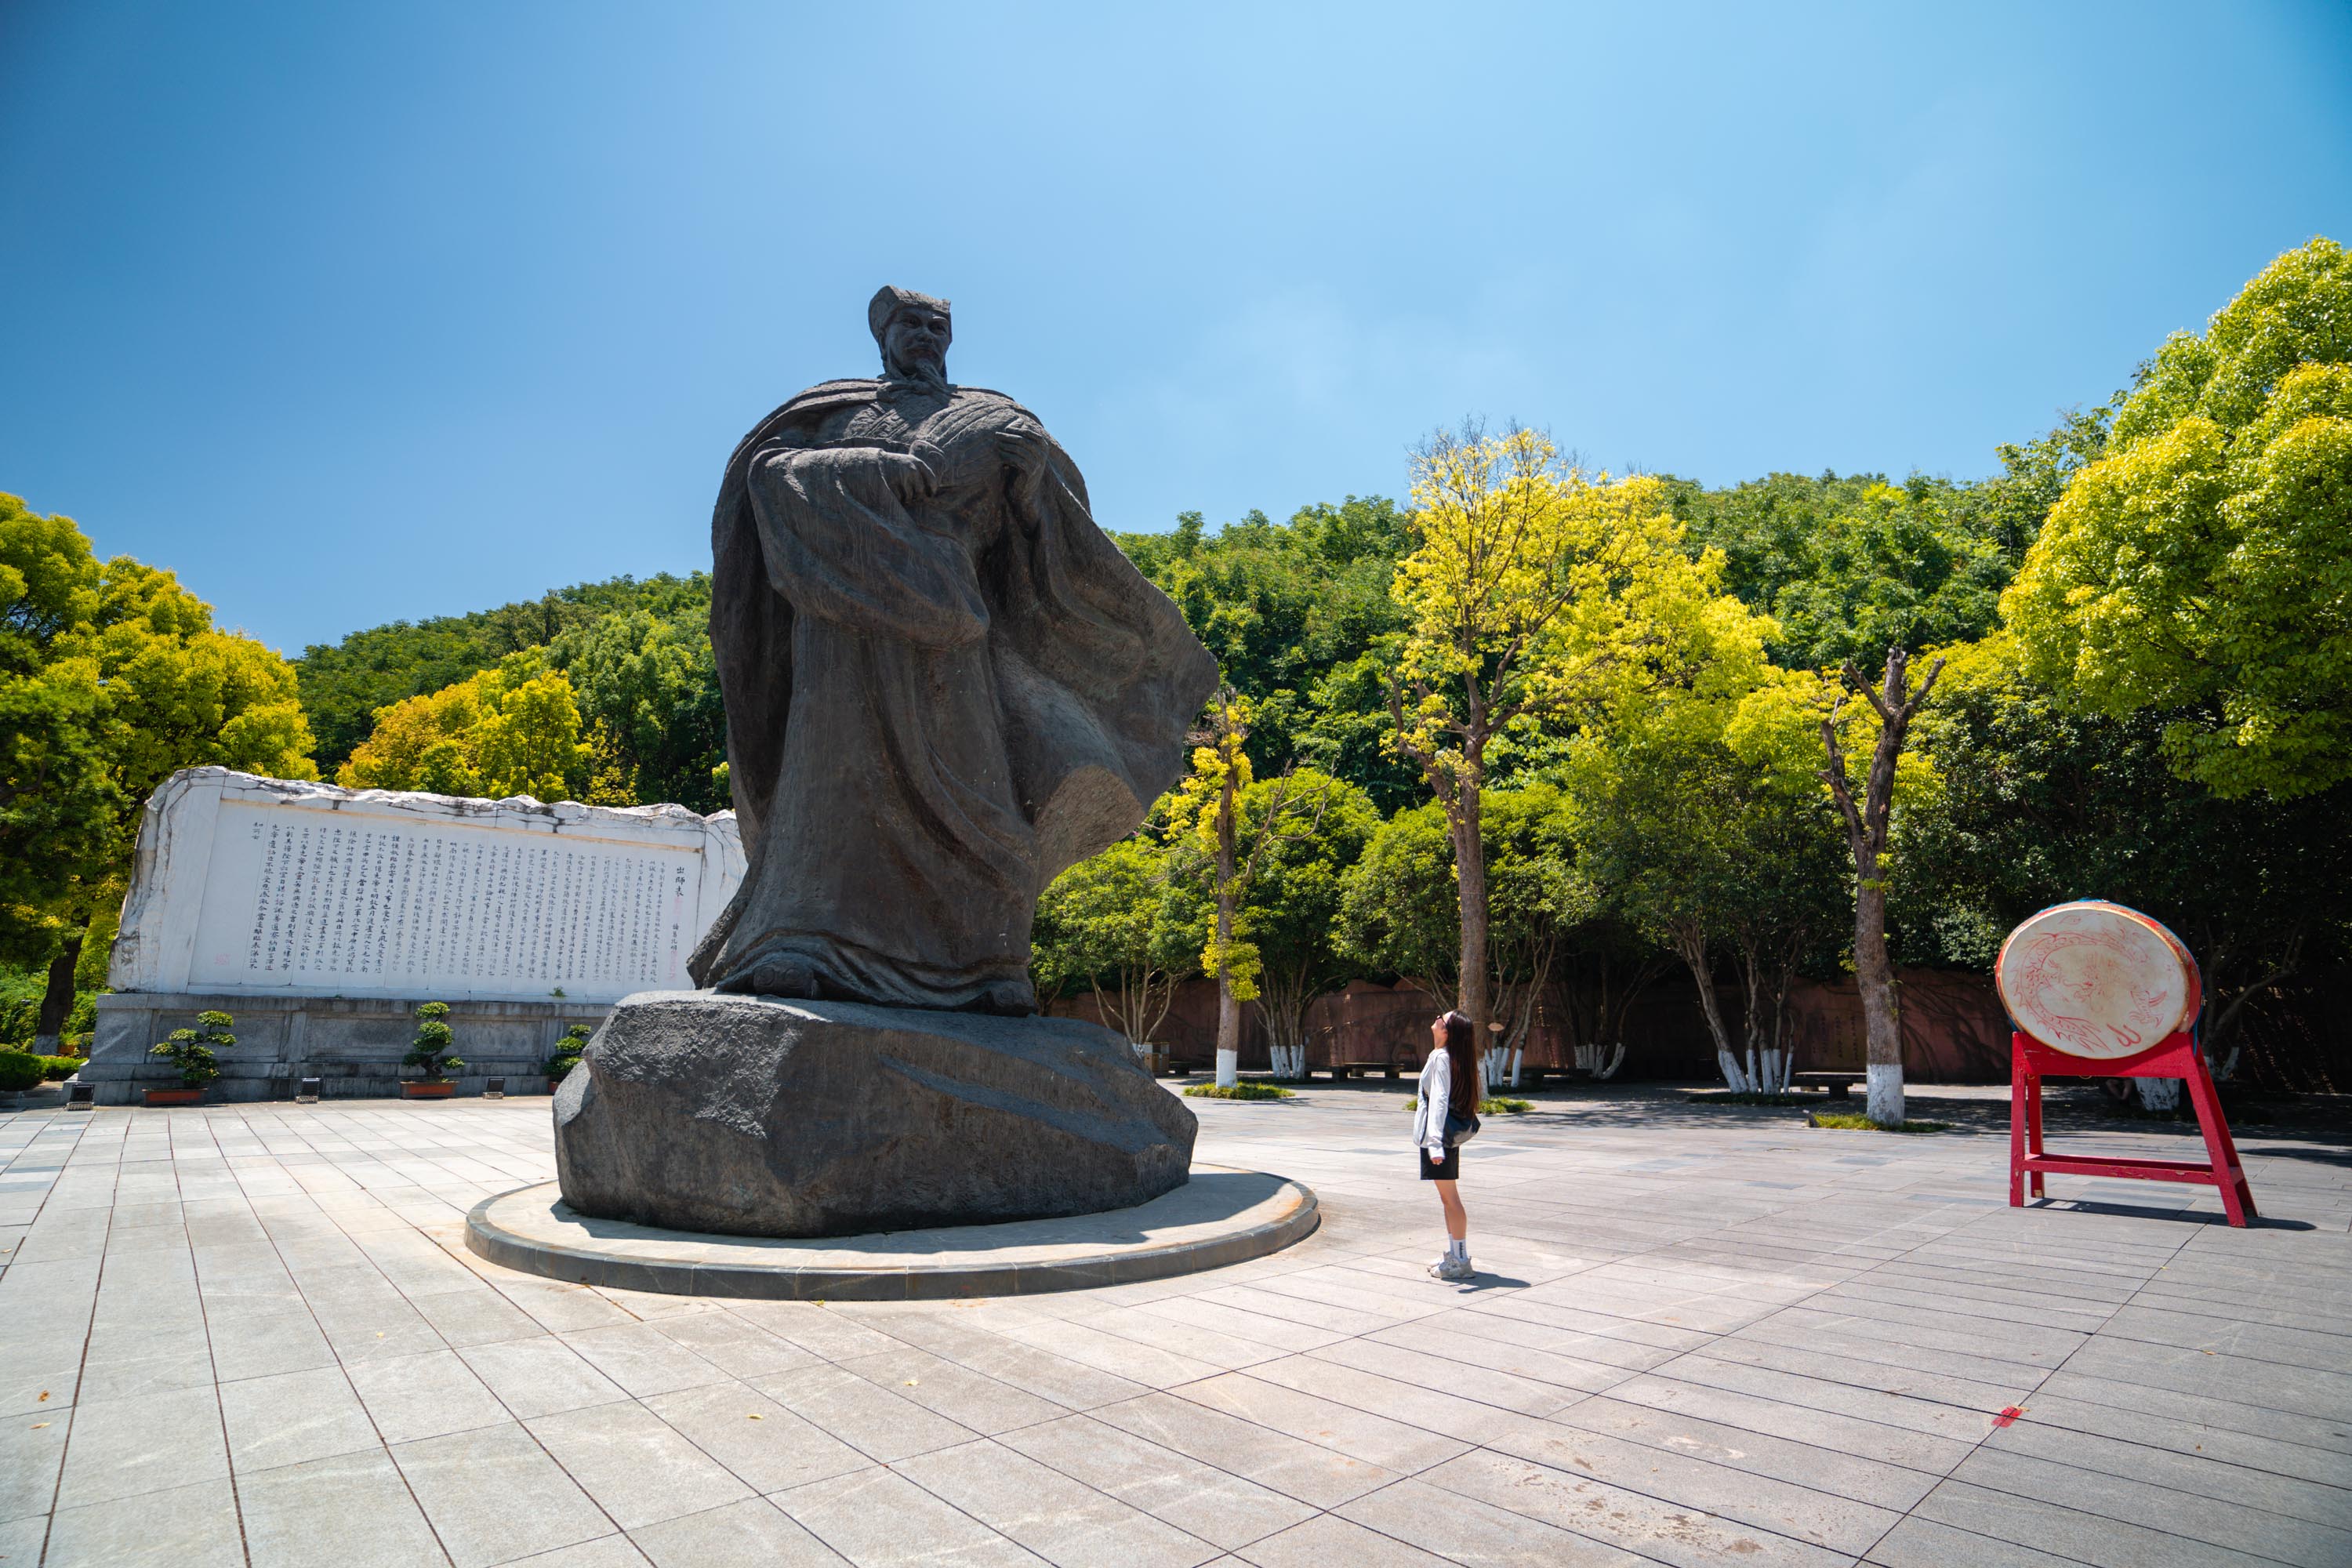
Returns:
point(2176, 1056)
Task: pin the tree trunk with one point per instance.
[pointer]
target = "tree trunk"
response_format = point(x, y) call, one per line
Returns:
point(1470, 883)
point(1866, 824)
point(1693, 950)
point(58, 998)
point(1229, 1007)
point(1882, 1025)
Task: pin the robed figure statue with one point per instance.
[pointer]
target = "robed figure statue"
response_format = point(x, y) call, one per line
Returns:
point(944, 684)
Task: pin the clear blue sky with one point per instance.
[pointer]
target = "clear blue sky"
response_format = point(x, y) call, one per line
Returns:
point(352, 313)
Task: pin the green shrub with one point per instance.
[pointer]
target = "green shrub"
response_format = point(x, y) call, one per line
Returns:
point(567, 1051)
point(1238, 1091)
point(19, 1070)
point(1855, 1121)
point(433, 1053)
point(191, 1050)
point(62, 1066)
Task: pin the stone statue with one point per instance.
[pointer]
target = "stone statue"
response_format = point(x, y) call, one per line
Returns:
point(943, 684)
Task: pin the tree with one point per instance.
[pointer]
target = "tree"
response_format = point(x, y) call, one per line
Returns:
point(2038, 801)
point(1867, 824)
point(1211, 834)
point(1534, 596)
point(1399, 912)
point(1705, 816)
point(112, 678)
point(512, 730)
point(649, 692)
point(1848, 565)
point(1104, 924)
point(2203, 566)
point(1292, 901)
point(344, 683)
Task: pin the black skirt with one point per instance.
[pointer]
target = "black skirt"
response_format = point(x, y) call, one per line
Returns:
point(1446, 1170)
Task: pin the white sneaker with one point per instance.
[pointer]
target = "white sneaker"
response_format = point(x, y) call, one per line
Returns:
point(1448, 1270)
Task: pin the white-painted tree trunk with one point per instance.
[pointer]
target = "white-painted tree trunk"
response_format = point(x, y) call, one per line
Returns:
point(1884, 1104)
point(1503, 1067)
point(1229, 1069)
point(1289, 1062)
point(1735, 1077)
point(1773, 1075)
point(1601, 1063)
point(45, 1046)
point(2158, 1094)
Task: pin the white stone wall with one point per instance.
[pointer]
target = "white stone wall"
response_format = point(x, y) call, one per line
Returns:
point(266, 887)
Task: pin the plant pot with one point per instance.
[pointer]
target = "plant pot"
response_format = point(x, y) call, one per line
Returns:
point(175, 1097)
point(429, 1089)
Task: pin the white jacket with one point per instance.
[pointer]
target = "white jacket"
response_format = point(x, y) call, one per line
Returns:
point(1437, 1094)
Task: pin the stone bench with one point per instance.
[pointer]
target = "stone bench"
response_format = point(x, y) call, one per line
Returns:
point(1837, 1083)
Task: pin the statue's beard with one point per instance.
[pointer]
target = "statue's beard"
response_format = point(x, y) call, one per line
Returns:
point(926, 373)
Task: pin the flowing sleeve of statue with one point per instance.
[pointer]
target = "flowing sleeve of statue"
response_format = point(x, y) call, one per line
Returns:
point(944, 684)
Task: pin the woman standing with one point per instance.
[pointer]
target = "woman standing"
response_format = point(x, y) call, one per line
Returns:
point(1449, 1091)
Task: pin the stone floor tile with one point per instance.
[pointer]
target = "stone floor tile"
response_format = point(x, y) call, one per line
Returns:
point(877, 1518)
point(2069, 1532)
point(643, 1359)
point(181, 1527)
point(493, 1495)
point(1061, 1519)
point(971, 1399)
point(538, 1376)
point(1224, 1508)
point(1924, 1543)
point(752, 1532)
point(1641, 1522)
point(637, 1468)
point(1012, 1362)
point(761, 1442)
point(1363, 1434)
point(32, 1449)
point(737, 1348)
point(604, 1552)
point(1328, 1539)
point(1463, 1531)
point(350, 1511)
point(427, 1396)
point(871, 1419)
point(294, 1416)
point(1312, 1472)
point(129, 1446)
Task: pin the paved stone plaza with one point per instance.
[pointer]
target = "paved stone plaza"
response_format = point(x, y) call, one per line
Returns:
point(252, 1334)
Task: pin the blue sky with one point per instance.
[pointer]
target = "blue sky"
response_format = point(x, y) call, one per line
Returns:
point(358, 313)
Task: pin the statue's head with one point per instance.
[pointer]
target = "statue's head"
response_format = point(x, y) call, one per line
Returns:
point(914, 330)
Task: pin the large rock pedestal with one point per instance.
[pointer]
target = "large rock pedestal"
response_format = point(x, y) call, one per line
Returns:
point(752, 1115)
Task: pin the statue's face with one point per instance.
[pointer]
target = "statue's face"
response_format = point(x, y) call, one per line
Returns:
point(917, 337)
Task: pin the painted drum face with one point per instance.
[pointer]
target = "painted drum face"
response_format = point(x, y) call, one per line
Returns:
point(2096, 980)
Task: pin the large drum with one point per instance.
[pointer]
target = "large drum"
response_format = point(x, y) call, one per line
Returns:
point(2097, 979)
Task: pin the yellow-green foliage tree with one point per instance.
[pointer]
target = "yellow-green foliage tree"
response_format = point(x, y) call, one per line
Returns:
point(510, 730)
point(2204, 564)
point(1537, 596)
point(112, 677)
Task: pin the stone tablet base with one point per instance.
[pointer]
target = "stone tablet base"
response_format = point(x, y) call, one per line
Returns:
point(1219, 1217)
point(353, 1045)
point(753, 1116)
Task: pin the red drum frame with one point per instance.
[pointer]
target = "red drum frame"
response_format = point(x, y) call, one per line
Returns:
point(2174, 1056)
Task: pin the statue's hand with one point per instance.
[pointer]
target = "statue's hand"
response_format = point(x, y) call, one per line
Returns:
point(1022, 446)
point(911, 479)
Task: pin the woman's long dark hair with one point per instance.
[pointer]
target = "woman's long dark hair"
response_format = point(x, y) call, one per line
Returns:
point(1461, 1050)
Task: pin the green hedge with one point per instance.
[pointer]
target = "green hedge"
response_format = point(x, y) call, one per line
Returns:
point(19, 1070)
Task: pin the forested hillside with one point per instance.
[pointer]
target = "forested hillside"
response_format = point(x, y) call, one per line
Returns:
point(2144, 697)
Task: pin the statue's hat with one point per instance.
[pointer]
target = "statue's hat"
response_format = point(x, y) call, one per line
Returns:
point(889, 299)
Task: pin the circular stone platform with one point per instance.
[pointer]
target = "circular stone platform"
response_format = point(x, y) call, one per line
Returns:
point(1219, 1216)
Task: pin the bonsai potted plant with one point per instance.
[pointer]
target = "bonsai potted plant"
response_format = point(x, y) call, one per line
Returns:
point(431, 1053)
point(191, 1052)
point(567, 1054)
